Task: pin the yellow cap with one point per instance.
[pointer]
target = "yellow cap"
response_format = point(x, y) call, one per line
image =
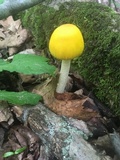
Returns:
point(66, 42)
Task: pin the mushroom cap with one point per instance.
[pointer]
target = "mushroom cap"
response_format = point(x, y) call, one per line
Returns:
point(66, 42)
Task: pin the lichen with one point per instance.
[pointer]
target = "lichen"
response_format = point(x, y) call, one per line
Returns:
point(100, 25)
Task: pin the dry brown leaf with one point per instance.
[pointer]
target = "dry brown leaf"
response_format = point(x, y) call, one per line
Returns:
point(27, 78)
point(73, 108)
point(2, 36)
point(67, 104)
point(67, 96)
point(12, 35)
point(46, 90)
point(10, 25)
point(21, 136)
point(5, 113)
point(14, 40)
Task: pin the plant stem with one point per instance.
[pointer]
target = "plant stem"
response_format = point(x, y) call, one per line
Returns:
point(63, 78)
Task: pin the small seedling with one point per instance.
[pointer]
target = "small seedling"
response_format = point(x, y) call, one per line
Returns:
point(16, 152)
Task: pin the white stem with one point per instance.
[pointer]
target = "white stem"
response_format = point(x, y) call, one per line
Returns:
point(63, 78)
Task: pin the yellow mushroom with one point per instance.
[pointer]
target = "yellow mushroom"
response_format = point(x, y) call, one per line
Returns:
point(66, 43)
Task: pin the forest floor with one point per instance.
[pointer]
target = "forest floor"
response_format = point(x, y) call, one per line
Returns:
point(25, 135)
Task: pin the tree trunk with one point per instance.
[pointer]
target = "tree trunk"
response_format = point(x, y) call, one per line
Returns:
point(63, 138)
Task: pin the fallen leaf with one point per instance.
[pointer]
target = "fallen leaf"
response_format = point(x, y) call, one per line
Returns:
point(12, 34)
point(46, 90)
point(66, 104)
point(73, 108)
point(66, 96)
point(5, 113)
point(21, 136)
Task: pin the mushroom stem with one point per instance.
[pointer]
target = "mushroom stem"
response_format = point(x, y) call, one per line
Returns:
point(63, 78)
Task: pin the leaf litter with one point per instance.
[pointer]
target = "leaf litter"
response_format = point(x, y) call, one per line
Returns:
point(91, 111)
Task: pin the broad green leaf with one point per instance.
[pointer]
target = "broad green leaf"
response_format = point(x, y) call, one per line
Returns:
point(20, 98)
point(1, 1)
point(8, 154)
point(29, 64)
point(20, 150)
point(2, 62)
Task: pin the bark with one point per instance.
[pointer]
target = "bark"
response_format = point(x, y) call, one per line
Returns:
point(63, 138)
point(12, 7)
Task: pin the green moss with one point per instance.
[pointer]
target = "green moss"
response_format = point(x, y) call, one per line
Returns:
point(100, 63)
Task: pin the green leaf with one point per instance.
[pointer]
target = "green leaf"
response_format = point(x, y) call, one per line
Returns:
point(17, 151)
point(20, 98)
point(8, 154)
point(28, 64)
point(1, 1)
point(3, 62)
point(20, 150)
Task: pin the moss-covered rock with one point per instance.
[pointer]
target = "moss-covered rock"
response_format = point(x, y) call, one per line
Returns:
point(100, 63)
